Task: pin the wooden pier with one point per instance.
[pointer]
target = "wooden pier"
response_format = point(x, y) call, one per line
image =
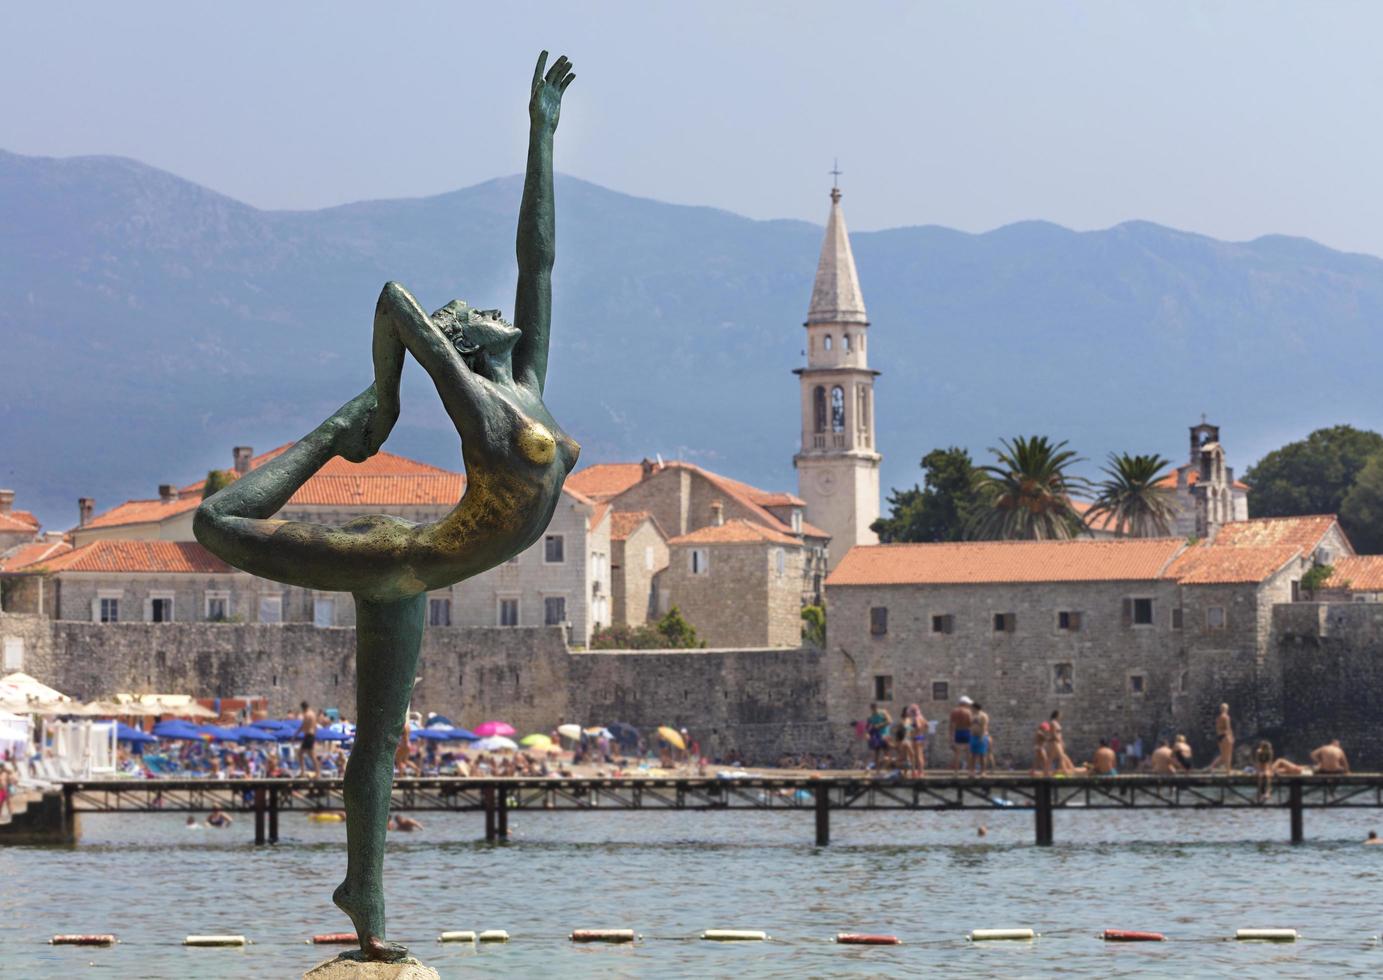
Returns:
point(823, 797)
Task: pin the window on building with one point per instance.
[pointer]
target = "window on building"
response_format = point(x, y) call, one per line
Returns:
point(509, 612)
point(554, 549)
point(554, 610)
point(945, 623)
point(797, 520)
point(648, 558)
point(323, 610)
point(161, 609)
point(941, 691)
point(819, 409)
point(837, 409)
point(1184, 682)
point(1214, 617)
point(109, 609)
point(698, 561)
point(846, 339)
point(883, 687)
point(1068, 621)
point(780, 562)
point(1005, 622)
point(827, 342)
point(1137, 684)
point(271, 609)
point(878, 620)
point(439, 611)
point(14, 653)
point(217, 607)
point(1176, 618)
point(1138, 612)
point(1063, 679)
point(862, 407)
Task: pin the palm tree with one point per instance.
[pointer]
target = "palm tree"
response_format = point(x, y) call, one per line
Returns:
point(1027, 495)
point(1131, 500)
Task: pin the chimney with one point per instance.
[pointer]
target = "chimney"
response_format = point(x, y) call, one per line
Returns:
point(648, 468)
point(167, 493)
point(6, 501)
point(86, 506)
point(717, 513)
point(241, 456)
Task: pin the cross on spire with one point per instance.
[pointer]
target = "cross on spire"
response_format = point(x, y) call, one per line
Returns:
point(835, 173)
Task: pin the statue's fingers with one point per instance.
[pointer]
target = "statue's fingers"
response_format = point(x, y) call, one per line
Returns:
point(558, 70)
point(538, 72)
point(566, 81)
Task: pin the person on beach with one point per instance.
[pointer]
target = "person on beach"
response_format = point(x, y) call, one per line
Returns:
point(1164, 761)
point(960, 732)
point(1263, 765)
point(980, 757)
point(1105, 761)
point(1224, 740)
point(877, 727)
point(1040, 764)
point(307, 728)
point(1330, 759)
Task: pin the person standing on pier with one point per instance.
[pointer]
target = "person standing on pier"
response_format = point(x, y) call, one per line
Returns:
point(1041, 765)
point(980, 757)
point(877, 727)
point(1263, 763)
point(960, 732)
point(1224, 739)
point(307, 728)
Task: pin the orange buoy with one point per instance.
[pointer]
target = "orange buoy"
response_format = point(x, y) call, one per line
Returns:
point(867, 939)
point(334, 938)
point(1132, 936)
point(96, 939)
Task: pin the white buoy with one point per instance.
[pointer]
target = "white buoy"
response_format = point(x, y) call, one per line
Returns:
point(493, 936)
point(735, 935)
point(983, 935)
point(1266, 935)
point(215, 941)
point(459, 936)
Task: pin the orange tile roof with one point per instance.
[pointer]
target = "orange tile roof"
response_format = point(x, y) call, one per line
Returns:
point(623, 524)
point(1208, 564)
point(379, 490)
point(18, 520)
point(602, 481)
point(33, 553)
point(139, 556)
point(737, 531)
point(1304, 533)
point(992, 562)
point(1192, 478)
point(1358, 573)
point(1105, 522)
point(142, 512)
point(812, 531)
point(598, 514)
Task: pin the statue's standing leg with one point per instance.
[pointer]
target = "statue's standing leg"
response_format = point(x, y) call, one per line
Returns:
point(388, 637)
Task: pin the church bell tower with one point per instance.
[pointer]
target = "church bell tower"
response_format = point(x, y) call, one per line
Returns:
point(838, 466)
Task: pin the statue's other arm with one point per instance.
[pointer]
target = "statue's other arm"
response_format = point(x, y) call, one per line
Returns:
point(537, 226)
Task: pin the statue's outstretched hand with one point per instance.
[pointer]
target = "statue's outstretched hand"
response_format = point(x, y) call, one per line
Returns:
point(360, 426)
point(545, 102)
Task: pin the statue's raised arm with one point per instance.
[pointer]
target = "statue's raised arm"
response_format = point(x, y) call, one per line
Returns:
point(537, 225)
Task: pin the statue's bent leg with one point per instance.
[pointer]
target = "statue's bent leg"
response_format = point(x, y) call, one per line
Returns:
point(388, 636)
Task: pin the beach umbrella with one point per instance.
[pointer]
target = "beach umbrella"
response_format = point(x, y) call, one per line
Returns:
point(435, 720)
point(671, 736)
point(536, 741)
point(487, 728)
point(253, 733)
point(623, 733)
point(598, 731)
point(124, 733)
point(570, 731)
point(333, 734)
point(180, 730)
point(440, 733)
point(495, 743)
point(216, 733)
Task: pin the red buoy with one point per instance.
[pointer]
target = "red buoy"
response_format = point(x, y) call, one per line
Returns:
point(335, 939)
point(102, 939)
point(1131, 936)
point(867, 939)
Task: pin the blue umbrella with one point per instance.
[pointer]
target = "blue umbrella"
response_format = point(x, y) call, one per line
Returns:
point(217, 733)
point(439, 721)
point(179, 730)
point(333, 735)
point(251, 733)
point(125, 733)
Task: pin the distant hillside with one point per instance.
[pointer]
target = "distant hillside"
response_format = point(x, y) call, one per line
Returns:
point(150, 324)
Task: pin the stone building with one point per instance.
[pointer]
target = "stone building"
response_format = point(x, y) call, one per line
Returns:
point(17, 527)
point(1127, 637)
point(1205, 492)
point(638, 552)
point(1353, 578)
point(838, 462)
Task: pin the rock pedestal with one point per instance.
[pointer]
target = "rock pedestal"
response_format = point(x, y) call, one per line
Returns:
point(354, 966)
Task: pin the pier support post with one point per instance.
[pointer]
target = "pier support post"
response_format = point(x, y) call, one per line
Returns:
point(260, 807)
point(487, 796)
point(1294, 801)
point(1042, 812)
point(502, 813)
point(274, 815)
point(823, 816)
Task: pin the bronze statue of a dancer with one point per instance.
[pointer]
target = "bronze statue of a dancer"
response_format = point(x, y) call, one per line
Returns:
point(490, 376)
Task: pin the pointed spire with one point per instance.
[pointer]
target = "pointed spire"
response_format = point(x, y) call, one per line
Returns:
point(836, 296)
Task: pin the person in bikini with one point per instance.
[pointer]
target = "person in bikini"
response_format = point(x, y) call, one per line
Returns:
point(1041, 766)
point(1224, 739)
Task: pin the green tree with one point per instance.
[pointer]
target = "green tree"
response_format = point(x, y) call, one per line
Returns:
point(1311, 475)
point(678, 633)
point(215, 480)
point(940, 509)
point(814, 626)
point(671, 632)
point(1361, 512)
point(1026, 495)
point(1130, 497)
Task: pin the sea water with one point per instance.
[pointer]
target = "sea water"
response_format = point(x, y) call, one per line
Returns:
point(927, 878)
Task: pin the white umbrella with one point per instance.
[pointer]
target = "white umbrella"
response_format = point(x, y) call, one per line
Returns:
point(21, 687)
point(495, 743)
point(570, 731)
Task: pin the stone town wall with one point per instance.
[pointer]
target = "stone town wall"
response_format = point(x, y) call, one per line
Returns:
point(1332, 671)
point(759, 701)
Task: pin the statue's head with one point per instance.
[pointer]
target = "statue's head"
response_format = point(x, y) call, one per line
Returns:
point(481, 337)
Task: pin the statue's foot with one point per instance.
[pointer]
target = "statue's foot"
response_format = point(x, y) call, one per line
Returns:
point(369, 927)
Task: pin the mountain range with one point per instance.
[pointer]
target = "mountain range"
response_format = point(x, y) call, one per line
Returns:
point(150, 324)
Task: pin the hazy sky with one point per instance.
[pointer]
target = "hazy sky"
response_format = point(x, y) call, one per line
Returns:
point(1233, 119)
